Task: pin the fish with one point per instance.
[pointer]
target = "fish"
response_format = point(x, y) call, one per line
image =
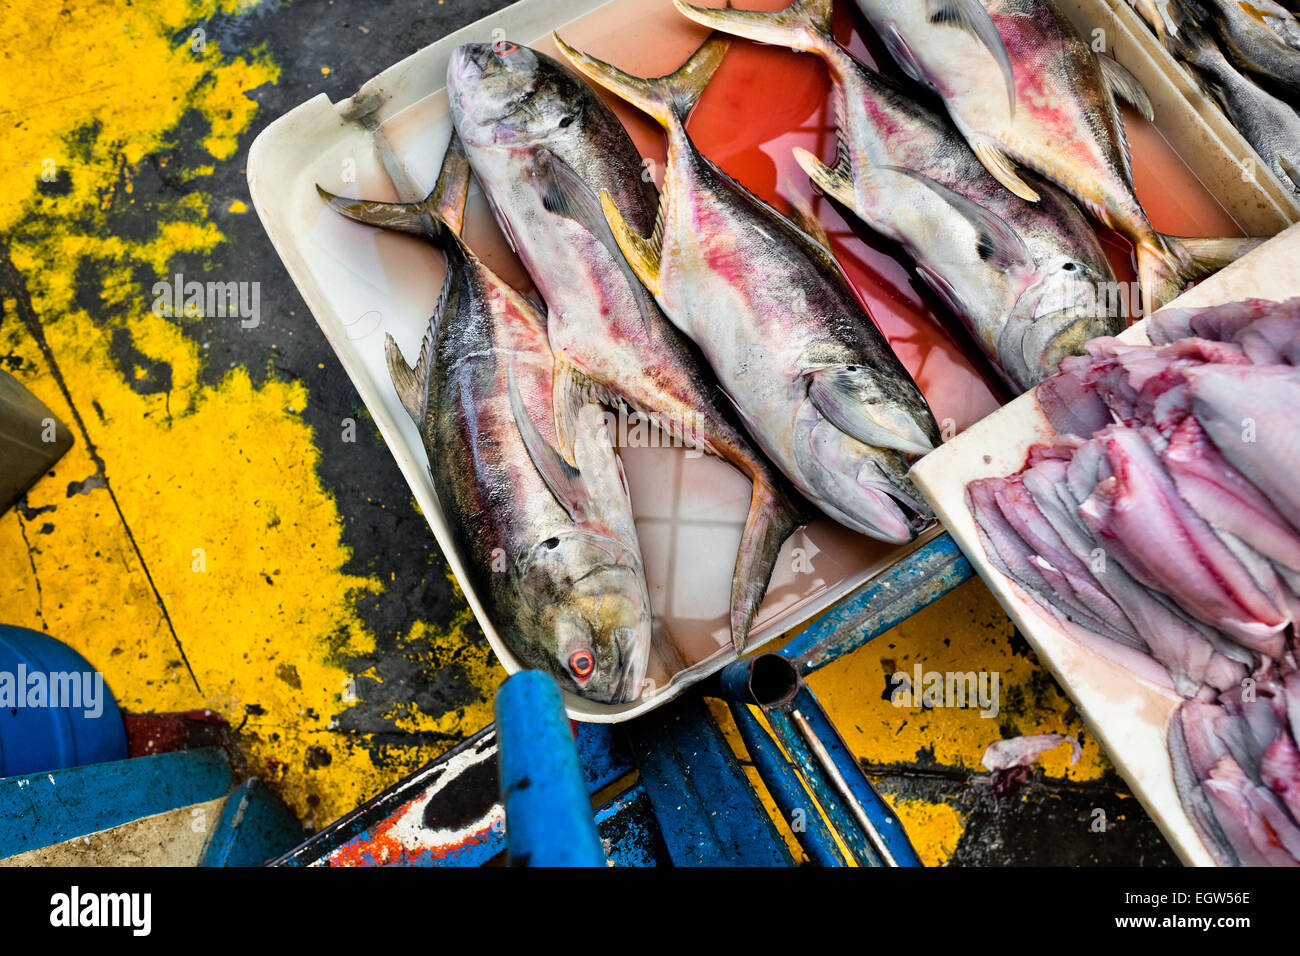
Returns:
point(811, 375)
point(543, 145)
point(1064, 123)
point(1269, 124)
point(1262, 36)
point(550, 546)
point(1027, 280)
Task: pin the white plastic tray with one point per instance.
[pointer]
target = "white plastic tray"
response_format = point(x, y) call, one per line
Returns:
point(360, 284)
point(1129, 717)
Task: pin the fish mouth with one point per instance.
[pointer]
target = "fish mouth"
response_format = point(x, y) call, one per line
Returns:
point(481, 97)
point(898, 517)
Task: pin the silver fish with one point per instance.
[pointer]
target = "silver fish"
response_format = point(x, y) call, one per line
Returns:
point(814, 379)
point(551, 549)
point(1262, 36)
point(543, 145)
point(1064, 123)
point(1029, 280)
point(1271, 126)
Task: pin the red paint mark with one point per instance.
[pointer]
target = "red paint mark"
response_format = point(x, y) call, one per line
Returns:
point(378, 847)
point(163, 733)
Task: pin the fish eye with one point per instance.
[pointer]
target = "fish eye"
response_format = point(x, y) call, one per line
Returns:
point(582, 663)
point(503, 47)
point(550, 544)
point(564, 123)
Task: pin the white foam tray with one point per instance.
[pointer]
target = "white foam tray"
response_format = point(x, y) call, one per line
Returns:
point(360, 284)
point(1129, 717)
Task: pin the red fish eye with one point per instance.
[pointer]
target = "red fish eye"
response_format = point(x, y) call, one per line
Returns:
point(502, 47)
point(582, 663)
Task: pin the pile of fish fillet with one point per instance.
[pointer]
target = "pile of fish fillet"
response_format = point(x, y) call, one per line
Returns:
point(1161, 528)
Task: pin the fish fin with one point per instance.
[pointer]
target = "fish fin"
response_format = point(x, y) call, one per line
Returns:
point(837, 391)
point(944, 290)
point(1291, 171)
point(444, 207)
point(774, 515)
point(666, 99)
point(452, 188)
point(1165, 267)
point(565, 193)
point(805, 25)
point(1126, 86)
point(571, 389)
point(561, 478)
point(999, 245)
point(836, 183)
point(410, 383)
point(1001, 169)
point(971, 16)
point(413, 218)
point(903, 55)
point(640, 254)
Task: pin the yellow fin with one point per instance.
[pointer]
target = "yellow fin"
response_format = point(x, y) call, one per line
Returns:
point(640, 255)
point(1001, 169)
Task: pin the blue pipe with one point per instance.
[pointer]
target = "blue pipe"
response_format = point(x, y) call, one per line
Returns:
point(864, 821)
point(549, 819)
point(887, 825)
point(836, 810)
point(789, 794)
point(894, 595)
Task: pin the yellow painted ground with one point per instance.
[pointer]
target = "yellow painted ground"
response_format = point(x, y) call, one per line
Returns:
point(217, 485)
point(215, 488)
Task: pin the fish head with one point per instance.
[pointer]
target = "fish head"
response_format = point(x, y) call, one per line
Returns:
point(1071, 302)
point(589, 614)
point(507, 95)
point(864, 487)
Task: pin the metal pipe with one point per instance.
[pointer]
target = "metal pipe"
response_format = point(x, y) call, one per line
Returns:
point(877, 820)
point(549, 820)
point(765, 680)
point(787, 791)
point(810, 768)
point(837, 779)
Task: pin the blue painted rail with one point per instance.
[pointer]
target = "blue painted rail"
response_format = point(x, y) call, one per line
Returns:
point(549, 820)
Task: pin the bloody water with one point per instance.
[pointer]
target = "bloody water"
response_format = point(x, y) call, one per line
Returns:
point(766, 100)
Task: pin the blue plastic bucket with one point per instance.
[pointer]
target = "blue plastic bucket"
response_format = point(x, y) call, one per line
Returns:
point(74, 721)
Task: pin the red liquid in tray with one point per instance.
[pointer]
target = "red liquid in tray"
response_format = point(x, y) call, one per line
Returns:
point(766, 100)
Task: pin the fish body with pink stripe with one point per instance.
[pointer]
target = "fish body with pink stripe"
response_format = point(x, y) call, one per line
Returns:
point(1023, 86)
point(813, 378)
point(1026, 279)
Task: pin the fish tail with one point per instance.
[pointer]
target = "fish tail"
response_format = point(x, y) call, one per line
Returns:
point(666, 99)
point(805, 25)
point(774, 515)
point(1167, 263)
point(443, 209)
